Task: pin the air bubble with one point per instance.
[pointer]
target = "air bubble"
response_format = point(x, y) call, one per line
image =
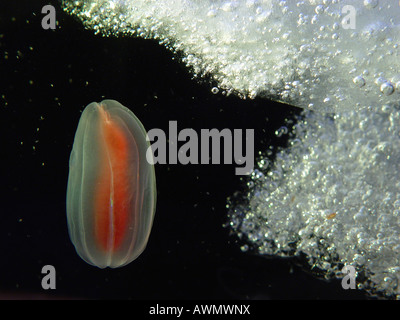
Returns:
point(214, 90)
point(387, 88)
point(281, 131)
point(370, 4)
point(319, 9)
point(359, 81)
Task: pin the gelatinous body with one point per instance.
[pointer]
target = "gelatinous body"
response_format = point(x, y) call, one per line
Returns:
point(111, 191)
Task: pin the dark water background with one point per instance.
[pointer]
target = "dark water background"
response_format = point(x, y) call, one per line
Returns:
point(46, 79)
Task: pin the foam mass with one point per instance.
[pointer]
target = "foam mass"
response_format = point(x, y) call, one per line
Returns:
point(292, 51)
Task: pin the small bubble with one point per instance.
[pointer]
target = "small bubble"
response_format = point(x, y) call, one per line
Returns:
point(336, 26)
point(227, 6)
point(387, 89)
point(386, 108)
point(212, 13)
point(281, 131)
point(214, 90)
point(319, 9)
point(370, 4)
point(359, 81)
point(379, 81)
point(250, 3)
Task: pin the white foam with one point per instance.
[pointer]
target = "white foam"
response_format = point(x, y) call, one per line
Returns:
point(292, 51)
point(333, 195)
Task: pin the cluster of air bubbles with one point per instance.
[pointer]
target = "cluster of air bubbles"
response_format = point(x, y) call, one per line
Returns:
point(333, 195)
point(299, 52)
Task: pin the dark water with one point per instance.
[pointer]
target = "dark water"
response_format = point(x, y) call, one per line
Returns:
point(46, 79)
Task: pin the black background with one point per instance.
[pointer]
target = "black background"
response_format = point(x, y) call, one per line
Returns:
point(46, 79)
